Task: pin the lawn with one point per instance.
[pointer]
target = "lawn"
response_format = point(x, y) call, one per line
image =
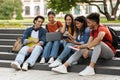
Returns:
point(20, 23)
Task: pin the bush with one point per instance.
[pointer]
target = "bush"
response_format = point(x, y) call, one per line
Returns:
point(2, 17)
point(11, 25)
point(119, 17)
point(19, 16)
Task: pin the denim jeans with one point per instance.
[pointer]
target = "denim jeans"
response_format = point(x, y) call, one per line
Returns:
point(63, 43)
point(65, 52)
point(51, 49)
point(33, 55)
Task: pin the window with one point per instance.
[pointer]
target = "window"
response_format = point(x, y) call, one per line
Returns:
point(26, 0)
point(36, 0)
point(27, 10)
point(37, 10)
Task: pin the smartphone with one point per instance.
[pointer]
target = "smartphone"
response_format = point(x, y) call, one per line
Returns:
point(66, 37)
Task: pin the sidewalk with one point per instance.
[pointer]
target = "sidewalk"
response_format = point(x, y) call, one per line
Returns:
point(11, 74)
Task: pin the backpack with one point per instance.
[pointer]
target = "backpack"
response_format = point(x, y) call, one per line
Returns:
point(115, 38)
point(17, 45)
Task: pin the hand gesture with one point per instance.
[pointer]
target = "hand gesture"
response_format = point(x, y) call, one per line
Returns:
point(35, 40)
point(85, 53)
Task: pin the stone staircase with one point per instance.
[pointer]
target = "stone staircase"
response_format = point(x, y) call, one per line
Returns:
point(8, 37)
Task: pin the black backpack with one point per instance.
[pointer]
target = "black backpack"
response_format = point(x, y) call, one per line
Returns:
point(115, 38)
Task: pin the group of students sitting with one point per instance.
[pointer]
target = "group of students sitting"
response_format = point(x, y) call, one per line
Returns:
point(85, 37)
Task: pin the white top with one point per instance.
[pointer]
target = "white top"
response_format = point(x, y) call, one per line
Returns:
point(34, 34)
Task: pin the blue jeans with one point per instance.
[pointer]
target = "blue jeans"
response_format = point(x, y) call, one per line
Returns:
point(65, 52)
point(33, 55)
point(63, 42)
point(51, 49)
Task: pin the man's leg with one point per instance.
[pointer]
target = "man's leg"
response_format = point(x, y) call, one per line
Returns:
point(21, 54)
point(20, 58)
point(100, 50)
point(34, 55)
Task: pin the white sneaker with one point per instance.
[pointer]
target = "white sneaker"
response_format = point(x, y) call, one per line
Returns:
point(25, 66)
point(51, 60)
point(15, 65)
point(88, 71)
point(60, 69)
point(42, 61)
point(74, 63)
point(55, 63)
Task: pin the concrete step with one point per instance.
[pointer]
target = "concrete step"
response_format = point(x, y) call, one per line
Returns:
point(7, 56)
point(10, 36)
point(111, 70)
point(6, 48)
point(7, 41)
point(12, 31)
point(114, 62)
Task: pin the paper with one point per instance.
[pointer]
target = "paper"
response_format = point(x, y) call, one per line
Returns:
point(74, 48)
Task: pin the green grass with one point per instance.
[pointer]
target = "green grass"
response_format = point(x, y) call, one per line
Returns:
point(104, 20)
point(19, 23)
point(26, 20)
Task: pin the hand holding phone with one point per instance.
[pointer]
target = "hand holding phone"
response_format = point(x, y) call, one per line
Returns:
point(66, 37)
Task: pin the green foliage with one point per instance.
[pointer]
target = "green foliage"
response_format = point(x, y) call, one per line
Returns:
point(63, 5)
point(7, 7)
point(12, 25)
point(119, 17)
point(19, 15)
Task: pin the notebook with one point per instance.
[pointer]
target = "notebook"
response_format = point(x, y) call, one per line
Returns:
point(53, 36)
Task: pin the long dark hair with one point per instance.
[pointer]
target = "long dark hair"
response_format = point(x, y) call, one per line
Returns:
point(83, 20)
point(72, 23)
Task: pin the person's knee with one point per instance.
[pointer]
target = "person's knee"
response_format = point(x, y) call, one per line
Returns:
point(39, 47)
point(23, 50)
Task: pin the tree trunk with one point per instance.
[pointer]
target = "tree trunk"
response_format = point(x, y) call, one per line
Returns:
point(107, 14)
point(109, 17)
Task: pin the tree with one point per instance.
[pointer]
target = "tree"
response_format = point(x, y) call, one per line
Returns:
point(65, 5)
point(18, 9)
point(8, 7)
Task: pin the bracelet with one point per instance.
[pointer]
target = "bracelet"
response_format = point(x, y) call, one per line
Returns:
point(87, 48)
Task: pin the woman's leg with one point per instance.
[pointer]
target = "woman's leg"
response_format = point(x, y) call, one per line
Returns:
point(63, 55)
point(55, 49)
point(73, 58)
point(65, 52)
point(47, 50)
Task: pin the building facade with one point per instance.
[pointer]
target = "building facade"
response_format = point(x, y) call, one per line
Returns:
point(31, 8)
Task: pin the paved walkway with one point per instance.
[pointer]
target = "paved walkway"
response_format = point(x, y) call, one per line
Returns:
point(11, 74)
